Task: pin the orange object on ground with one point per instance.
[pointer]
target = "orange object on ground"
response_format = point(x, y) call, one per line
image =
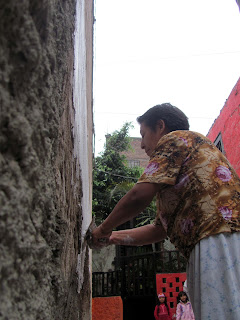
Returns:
point(109, 308)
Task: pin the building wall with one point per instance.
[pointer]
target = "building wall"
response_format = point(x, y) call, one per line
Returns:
point(44, 207)
point(228, 124)
point(171, 284)
point(103, 259)
point(136, 153)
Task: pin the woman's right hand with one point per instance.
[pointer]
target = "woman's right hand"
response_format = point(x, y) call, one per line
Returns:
point(100, 237)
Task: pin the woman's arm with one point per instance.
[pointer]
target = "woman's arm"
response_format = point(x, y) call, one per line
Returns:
point(138, 236)
point(134, 202)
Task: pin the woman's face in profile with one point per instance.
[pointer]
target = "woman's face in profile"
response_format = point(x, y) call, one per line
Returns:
point(150, 138)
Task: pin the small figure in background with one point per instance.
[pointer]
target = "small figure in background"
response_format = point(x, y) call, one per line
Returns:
point(162, 311)
point(184, 307)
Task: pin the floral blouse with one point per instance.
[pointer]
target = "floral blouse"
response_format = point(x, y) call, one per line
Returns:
point(199, 191)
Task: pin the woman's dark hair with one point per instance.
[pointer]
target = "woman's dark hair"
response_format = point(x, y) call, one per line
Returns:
point(165, 302)
point(173, 117)
point(182, 293)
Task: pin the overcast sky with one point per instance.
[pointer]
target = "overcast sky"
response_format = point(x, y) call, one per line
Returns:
point(149, 52)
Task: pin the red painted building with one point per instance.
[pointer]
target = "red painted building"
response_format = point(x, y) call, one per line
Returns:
point(225, 131)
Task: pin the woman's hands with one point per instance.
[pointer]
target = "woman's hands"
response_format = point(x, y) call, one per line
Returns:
point(129, 206)
point(100, 237)
point(138, 236)
point(131, 237)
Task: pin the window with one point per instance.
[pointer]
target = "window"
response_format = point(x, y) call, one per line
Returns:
point(133, 163)
point(219, 143)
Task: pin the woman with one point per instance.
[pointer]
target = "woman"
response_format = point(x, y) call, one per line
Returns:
point(198, 208)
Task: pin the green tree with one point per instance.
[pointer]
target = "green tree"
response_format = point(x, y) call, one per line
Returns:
point(111, 169)
point(112, 178)
point(145, 217)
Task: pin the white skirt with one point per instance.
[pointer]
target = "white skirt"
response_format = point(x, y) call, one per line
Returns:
point(213, 277)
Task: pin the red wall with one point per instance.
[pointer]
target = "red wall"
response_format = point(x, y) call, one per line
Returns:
point(228, 123)
point(170, 284)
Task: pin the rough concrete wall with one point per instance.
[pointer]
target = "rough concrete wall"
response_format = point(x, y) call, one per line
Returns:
point(40, 187)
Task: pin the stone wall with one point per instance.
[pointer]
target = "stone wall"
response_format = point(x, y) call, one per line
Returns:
point(41, 192)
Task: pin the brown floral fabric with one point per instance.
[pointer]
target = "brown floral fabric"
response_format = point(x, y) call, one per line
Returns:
point(199, 191)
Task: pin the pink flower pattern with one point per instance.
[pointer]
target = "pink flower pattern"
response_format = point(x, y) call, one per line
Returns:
point(184, 140)
point(226, 212)
point(183, 181)
point(223, 173)
point(151, 168)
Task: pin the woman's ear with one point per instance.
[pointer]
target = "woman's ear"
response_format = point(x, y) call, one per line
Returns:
point(161, 125)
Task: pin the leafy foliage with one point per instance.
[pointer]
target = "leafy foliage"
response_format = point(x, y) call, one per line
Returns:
point(112, 178)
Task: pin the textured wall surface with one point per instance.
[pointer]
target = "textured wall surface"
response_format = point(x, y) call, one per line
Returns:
point(41, 187)
point(228, 124)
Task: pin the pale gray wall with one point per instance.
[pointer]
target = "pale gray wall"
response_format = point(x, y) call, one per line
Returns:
point(41, 185)
point(103, 259)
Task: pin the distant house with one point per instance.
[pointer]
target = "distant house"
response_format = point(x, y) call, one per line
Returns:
point(225, 131)
point(136, 156)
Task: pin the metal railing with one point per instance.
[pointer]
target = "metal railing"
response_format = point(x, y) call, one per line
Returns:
point(137, 274)
point(106, 284)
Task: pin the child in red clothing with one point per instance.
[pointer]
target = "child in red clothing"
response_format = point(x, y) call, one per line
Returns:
point(162, 311)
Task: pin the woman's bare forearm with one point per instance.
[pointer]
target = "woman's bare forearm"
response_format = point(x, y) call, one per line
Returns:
point(138, 236)
point(134, 202)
